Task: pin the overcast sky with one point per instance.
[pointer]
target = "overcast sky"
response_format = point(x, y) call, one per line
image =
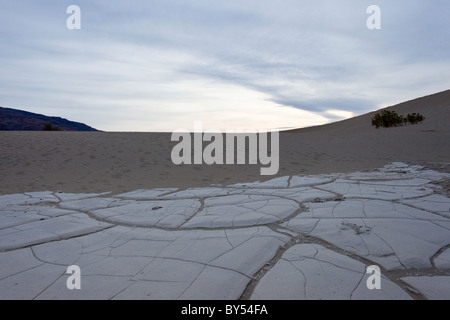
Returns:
point(161, 65)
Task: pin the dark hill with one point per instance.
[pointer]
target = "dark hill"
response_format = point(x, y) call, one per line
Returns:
point(19, 120)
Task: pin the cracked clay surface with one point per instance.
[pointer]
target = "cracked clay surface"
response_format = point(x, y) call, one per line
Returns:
point(294, 237)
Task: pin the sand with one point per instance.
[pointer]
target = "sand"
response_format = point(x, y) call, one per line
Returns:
point(125, 161)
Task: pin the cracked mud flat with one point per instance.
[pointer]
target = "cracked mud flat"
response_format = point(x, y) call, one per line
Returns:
point(294, 237)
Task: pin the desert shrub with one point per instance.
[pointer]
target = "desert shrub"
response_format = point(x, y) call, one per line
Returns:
point(414, 118)
point(387, 119)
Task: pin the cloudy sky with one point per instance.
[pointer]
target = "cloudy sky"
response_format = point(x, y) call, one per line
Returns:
point(143, 65)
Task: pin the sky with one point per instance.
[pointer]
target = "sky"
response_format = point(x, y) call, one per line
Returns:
point(162, 65)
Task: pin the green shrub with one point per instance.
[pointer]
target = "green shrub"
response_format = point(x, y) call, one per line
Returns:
point(388, 119)
point(415, 118)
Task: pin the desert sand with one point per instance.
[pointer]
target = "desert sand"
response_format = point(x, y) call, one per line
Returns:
point(124, 161)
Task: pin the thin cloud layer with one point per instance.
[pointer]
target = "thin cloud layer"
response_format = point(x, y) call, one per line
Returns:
point(161, 65)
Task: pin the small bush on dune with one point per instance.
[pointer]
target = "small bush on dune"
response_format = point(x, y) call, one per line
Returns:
point(415, 118)
point(388, 119)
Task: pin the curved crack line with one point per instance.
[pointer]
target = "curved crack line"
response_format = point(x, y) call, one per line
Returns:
point(437, 254)
point(226, 236)
point(365, 245)
point(253, 236)
point(48, 262)
point(276, 228)
point(422, 209)
point(436, 223)
point(304, 276)
point(301, 208)
point(357, 285)
point(289, 182)
point(392, 249)
point(337, 194)
point(53, 282)
point(22, 271)
point(58, 238)
point(192, 282)
point(364, 208)
point(116, 195)
point(205, 265)
point(333, 264)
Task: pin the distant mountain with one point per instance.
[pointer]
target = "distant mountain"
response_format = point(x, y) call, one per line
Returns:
point(19, 120)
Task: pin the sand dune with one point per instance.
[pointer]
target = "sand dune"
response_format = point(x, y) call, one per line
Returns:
point(121, 162)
